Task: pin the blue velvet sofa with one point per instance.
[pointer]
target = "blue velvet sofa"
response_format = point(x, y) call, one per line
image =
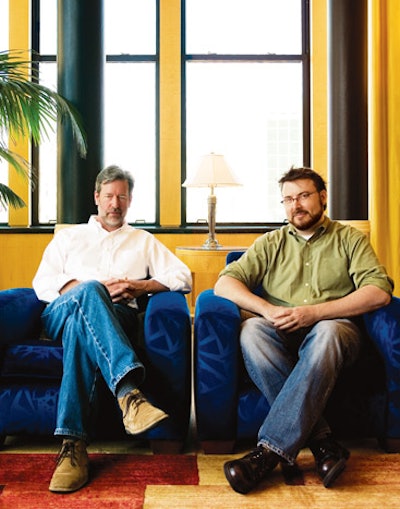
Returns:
point(229, 407)
point(31, 370)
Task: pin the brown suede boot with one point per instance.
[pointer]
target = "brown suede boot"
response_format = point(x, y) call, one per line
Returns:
point(72, 470)
point(138, 414)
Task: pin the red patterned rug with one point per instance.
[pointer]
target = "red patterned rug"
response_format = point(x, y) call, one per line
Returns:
point(116, 480)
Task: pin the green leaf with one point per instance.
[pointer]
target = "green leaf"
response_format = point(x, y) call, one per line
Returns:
point(8, 197)
point(30, 109)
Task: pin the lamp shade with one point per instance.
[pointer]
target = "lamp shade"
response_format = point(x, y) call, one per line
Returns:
point(213, 171)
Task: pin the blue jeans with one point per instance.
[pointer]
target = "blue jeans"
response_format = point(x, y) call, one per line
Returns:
point(296, 373)
point(94, 332)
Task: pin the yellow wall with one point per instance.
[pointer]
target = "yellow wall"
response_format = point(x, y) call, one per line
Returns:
point(20, 257)
point(170, 113)
point(319, 87)
point(20, 40)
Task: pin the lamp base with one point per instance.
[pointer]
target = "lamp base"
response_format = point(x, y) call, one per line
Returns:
point(211, 243)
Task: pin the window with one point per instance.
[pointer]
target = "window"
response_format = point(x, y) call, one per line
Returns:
point(45, 158)
point(131, 44)
point(130, 85)
point(245, 94)
point(247, 97)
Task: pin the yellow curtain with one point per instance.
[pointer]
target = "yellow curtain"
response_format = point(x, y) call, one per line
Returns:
point(385, 134)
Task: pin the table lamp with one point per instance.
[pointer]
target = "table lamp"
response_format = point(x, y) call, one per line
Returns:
point(212, 172)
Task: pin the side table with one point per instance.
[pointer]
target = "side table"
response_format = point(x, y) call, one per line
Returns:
point(205, 265)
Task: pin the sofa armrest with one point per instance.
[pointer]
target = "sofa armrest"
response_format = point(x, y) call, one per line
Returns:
point(20, 312)
point(167, 329)
point(167, 333)
point(216, 357)
point(383, 327)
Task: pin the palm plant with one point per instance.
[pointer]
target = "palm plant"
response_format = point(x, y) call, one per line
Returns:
point(29, 109)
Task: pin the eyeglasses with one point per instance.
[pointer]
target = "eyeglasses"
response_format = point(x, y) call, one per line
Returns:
point(301, 198)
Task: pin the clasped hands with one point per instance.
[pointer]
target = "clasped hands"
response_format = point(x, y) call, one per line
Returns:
point(290, 319)
point(124, 290)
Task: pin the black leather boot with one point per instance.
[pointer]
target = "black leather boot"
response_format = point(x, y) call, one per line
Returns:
point(330, 459)
point(245, 473)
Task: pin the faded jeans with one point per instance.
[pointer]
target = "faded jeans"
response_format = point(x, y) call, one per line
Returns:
point(296, 373)
point(94, 334)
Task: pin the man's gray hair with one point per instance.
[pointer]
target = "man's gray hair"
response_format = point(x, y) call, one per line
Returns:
point(111, 174)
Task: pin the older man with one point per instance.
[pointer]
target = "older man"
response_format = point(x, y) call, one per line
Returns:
point(91, 275)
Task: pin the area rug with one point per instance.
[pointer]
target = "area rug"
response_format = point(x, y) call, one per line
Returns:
point(196, 481)
point(116, 480)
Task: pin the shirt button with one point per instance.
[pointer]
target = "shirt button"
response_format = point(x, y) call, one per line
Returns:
point(305, 301)
point(306, 284)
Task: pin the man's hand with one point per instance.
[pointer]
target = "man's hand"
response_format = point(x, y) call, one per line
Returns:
point(365, 299)
point(124, 290)
point(290, 319)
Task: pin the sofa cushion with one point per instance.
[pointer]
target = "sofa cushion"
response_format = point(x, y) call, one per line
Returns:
point(20, 312)
point(37, 359)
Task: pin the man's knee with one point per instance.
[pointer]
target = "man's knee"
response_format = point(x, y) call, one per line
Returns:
point(341, 330)
point(90, 285)
point(252, 328)
point(255, 332)
point(91, 289)
point(336, 337)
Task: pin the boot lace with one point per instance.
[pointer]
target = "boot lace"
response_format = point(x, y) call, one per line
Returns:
point(134, 400)
point(67, 451)
point(259, 463)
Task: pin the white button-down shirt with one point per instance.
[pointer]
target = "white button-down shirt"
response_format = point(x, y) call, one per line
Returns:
point(89, 252)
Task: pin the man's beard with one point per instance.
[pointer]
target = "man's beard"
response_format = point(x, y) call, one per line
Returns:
point(307, 221)
point(113, 220)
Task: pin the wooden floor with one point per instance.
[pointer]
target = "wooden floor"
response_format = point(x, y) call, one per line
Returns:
point(371, 480)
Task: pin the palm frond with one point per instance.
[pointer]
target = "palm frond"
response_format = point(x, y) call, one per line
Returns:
point(8, 197)
point(29, 108)
point(19, 163)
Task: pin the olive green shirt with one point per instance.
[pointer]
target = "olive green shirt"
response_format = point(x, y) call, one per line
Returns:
point(294, 271)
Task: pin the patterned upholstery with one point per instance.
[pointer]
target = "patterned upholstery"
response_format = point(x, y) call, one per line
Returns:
point(31, 369)
point(383, 328)
point(365, 402)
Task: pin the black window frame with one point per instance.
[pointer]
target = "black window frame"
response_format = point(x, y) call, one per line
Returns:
point(38, 58)
point(303, 58)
